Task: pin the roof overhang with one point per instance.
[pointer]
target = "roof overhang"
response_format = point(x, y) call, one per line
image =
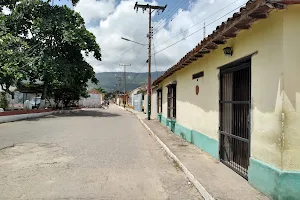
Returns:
point(253, 11)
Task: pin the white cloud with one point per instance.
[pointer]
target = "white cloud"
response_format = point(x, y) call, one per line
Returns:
point(122, 21)
point(95, 9)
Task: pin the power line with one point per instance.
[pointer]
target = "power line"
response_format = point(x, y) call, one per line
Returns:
point(138, 72)
point(155, 60)
point(137, 60)
point(165, 13)
point(124, 52)
point(151, 8)
point(170, 15)
point(200, 21)
point(181, 11)
point(197, 30)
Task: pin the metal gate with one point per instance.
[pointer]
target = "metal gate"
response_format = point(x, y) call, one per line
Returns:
point(235, 105)
point(137, 102)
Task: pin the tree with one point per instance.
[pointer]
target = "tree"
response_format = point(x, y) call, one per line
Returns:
point(12, 3)
point(71, 84)
point(59, 36)
point(13, 59)
point(101, 90)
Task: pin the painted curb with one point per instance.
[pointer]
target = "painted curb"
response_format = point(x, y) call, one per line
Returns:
point(188, 174)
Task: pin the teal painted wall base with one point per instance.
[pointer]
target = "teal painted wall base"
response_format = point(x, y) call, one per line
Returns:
point(164, 121)
point(159, 117)
point(202, 141)
point(275, 183)
point(208, 144)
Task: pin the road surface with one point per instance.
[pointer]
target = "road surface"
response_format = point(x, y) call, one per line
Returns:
point(90, 154)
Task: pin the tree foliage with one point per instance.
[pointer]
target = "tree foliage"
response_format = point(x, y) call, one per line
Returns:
point(58, 38)
point(101, 90)
point(13, 58)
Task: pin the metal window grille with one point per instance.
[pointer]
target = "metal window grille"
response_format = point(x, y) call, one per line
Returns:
point(172, 101)
point(159, 101)
point(235, 105)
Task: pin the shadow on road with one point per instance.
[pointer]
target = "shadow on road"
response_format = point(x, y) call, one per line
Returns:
point(88, 113)
point(80, 113)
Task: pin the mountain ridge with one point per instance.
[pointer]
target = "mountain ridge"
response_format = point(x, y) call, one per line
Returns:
point(110, 81)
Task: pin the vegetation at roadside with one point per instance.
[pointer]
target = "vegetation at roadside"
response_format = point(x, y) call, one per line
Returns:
point(3, 100)
point(42, 42)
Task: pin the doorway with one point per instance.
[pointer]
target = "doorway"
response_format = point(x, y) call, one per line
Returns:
point(235, 110)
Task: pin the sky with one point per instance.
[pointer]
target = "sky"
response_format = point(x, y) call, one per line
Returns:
point(176, 31)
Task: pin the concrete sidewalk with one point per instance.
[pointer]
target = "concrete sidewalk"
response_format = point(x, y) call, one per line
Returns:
point(215, 179)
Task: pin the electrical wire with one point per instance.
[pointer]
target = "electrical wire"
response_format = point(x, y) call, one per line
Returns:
point(200, 21)
point(197, 30)
point(192, 1)
point(170, 15)
point(155, 60)
point(165, 13)
point(138, 72)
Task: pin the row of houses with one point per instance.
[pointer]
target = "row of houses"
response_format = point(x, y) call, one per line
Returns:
point(236, 96)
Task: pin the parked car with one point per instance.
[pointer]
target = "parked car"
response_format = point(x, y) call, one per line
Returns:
point(35, 102)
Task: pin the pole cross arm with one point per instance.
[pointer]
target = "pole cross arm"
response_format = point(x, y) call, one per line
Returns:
point(145, 6)
point(151, 8)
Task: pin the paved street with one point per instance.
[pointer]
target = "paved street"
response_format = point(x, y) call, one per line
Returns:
point(90, 154)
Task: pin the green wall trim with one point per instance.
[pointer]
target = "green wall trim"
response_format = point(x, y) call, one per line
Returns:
point(159, 117)
point(206, 143)
point(275, 183)
point(202, 141)
point(164, 121)
point(183, 132)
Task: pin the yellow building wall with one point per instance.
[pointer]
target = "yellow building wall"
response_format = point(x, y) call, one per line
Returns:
point(291, 85)
point(201, 112)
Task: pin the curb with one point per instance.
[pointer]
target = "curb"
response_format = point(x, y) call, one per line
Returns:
point(14, 118)
point(189, 175)
point(121, 107)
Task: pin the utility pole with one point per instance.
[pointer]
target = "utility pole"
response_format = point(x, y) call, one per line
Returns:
point(124, 97)
point(151, 9)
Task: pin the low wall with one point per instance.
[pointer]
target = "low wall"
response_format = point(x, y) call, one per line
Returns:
point(21, 112)
point(28, 114)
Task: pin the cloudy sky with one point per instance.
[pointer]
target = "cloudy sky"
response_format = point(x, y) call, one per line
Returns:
point(109, 20)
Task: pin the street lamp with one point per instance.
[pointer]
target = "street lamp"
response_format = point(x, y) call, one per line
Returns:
point(133, 41)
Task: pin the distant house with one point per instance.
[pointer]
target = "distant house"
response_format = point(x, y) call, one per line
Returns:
point(236, 96)
point(94, 100)
point(24, 91)
point(136, 98)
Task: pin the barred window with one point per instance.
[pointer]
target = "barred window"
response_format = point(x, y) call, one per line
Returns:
point(159, 101)
point(172, 101)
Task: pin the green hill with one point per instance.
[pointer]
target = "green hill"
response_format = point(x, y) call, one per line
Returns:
point(109, 80)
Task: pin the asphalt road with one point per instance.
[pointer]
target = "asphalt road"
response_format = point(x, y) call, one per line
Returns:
point(90, 154)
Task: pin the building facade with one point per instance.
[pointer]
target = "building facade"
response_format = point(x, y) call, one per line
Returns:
point(94, 100)
point(236, 96)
